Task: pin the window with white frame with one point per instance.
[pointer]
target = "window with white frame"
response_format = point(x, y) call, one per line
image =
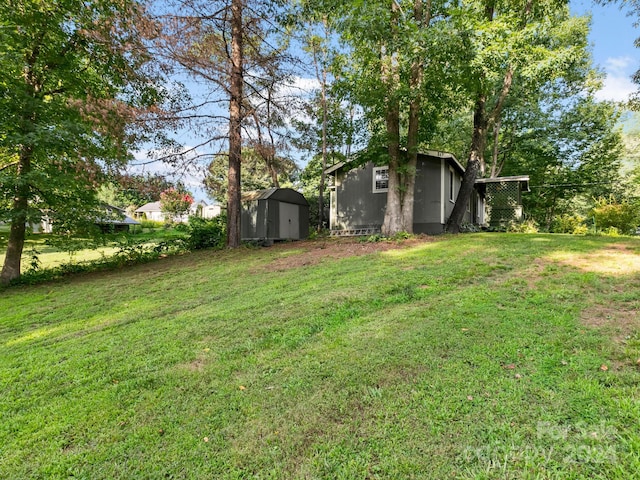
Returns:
point(380, 179)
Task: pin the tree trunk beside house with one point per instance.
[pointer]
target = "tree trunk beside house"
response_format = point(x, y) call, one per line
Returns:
point(235, 126)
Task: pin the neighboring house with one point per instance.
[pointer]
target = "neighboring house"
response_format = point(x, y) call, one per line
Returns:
point(114, 220)
point(211, 211)
point(359, 195)
point(201, 209)
point(153, 211)
point(274, 214)
point(150, 211)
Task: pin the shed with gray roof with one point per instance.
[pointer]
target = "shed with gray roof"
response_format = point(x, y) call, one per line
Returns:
point(274, 214)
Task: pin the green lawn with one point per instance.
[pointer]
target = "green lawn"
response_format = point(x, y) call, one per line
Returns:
point(480, 356)
point(49, 255)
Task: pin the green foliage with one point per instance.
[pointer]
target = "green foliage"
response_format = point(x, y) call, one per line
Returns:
point(610, 232)
point(206, 233)
point(310, 182)
point(127, 190)
point(375, 238)
point(74, 83)
point(150, 224)
point(175, 203)
point(569, 223)
point(255, 173)
point(571, 151)
point(129, 251)
point(610, 214)
point(526, 226)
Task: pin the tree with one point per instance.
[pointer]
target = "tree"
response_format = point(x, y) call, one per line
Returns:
point(256, 174)
point(175, 203)
point(229, 47)
point(513, 41)
point(329, 128)
point(398, 70)
point(74, 82)
point(571, 149)
point(133, 190)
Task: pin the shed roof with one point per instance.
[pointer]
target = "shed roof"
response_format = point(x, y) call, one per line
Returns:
point(287, 195)
point(117, 217)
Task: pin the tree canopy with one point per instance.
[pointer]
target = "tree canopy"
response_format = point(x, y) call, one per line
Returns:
point(75, 92)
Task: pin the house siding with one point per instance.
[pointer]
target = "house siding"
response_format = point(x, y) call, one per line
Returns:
point(354, 204)
point(357, 206)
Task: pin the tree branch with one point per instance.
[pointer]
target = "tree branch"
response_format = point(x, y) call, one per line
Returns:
point(12, 164)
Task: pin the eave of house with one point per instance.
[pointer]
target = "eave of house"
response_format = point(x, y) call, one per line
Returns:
point(449, 157)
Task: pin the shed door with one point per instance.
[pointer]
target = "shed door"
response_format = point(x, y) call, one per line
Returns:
point(289, 221)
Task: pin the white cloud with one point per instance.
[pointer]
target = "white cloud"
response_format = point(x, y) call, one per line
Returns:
point(305, 84)
point(618, 85)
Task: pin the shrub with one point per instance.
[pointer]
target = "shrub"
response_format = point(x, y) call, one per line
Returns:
point(581, 230)
point(151, 224)
point(566, 223)
point(623, 216)
point(206, 233)
point(611, 232)
point(175, 202)
point(528, 226)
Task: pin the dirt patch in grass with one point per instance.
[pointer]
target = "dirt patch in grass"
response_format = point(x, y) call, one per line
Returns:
point(616, 259)
point(617, 322)
point(311, 252)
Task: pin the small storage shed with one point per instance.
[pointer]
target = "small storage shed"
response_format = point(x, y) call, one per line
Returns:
point(274, 214)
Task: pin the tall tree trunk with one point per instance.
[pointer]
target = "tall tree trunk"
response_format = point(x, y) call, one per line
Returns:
point(235, 126)
point(481, 122)
point(413, 134)
point(321, 75)
point(17, 232)
point(392, 222)
point(474, 165)
point(495, 157)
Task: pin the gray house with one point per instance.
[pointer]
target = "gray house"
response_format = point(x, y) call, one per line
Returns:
point(274, 214)
point(359, 195)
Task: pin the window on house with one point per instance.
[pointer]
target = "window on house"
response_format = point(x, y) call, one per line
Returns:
point(380, 179)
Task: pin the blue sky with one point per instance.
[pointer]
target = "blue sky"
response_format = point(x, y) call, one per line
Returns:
point(612, 38)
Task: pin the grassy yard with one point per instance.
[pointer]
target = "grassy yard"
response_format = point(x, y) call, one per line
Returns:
point(480, 356)
point(50, 255)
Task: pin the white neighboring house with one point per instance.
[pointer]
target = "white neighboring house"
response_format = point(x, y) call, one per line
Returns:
point(211, 211)
point(152, 211)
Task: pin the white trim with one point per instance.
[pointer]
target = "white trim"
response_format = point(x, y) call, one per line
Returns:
point(442, 188)
point(374, 173)
point(452, 185)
